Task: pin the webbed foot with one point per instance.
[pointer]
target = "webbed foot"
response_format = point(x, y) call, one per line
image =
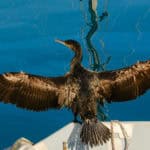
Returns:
point(77, 121)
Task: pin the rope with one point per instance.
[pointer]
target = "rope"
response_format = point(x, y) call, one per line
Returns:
point(65, 146)
point(124, 133)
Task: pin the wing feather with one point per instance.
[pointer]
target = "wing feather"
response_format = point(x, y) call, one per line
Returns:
point(30, 91)
point(125, 84)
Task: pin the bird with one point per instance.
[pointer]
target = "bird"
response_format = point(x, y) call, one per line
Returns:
point(79, 90)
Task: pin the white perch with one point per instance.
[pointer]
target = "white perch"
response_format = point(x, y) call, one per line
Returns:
point(127, 136)
point(138, 138)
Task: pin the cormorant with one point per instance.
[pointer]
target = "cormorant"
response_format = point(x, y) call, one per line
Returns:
point(80, 89)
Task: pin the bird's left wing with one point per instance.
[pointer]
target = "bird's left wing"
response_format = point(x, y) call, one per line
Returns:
point(125, 84)
point(32, 92)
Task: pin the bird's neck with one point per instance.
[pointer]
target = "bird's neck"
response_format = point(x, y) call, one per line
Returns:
point(76, 59)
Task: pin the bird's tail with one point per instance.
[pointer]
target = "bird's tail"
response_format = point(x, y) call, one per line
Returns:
point(94, 133)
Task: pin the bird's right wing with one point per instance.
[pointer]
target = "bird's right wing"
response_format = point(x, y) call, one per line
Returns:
point(125, 84)
point(32, 92)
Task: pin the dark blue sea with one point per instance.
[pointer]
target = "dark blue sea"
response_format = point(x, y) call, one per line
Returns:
point(113, 34)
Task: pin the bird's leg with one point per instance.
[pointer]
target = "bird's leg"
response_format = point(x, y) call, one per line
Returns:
point(75, 110)
point(75, 119)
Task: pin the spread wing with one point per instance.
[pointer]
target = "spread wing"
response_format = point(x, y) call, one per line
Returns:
point(32, 92)
point(125, 84)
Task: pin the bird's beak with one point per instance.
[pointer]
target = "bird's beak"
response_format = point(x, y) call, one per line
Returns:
point(60, 41)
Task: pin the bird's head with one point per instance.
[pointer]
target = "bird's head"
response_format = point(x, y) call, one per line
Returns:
point(75, 46)
point(72, 44)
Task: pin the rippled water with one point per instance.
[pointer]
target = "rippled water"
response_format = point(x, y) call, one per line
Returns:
point(27, 33)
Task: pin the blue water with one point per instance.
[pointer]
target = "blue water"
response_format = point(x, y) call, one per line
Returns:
point(27, 33)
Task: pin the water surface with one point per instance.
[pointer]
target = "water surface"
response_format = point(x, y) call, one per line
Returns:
point(27, 33)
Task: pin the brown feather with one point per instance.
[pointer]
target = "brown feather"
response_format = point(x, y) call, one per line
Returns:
point(31, 92)
point(125, 84)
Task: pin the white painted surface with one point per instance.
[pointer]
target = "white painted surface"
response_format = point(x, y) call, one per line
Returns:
point(138, 138)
